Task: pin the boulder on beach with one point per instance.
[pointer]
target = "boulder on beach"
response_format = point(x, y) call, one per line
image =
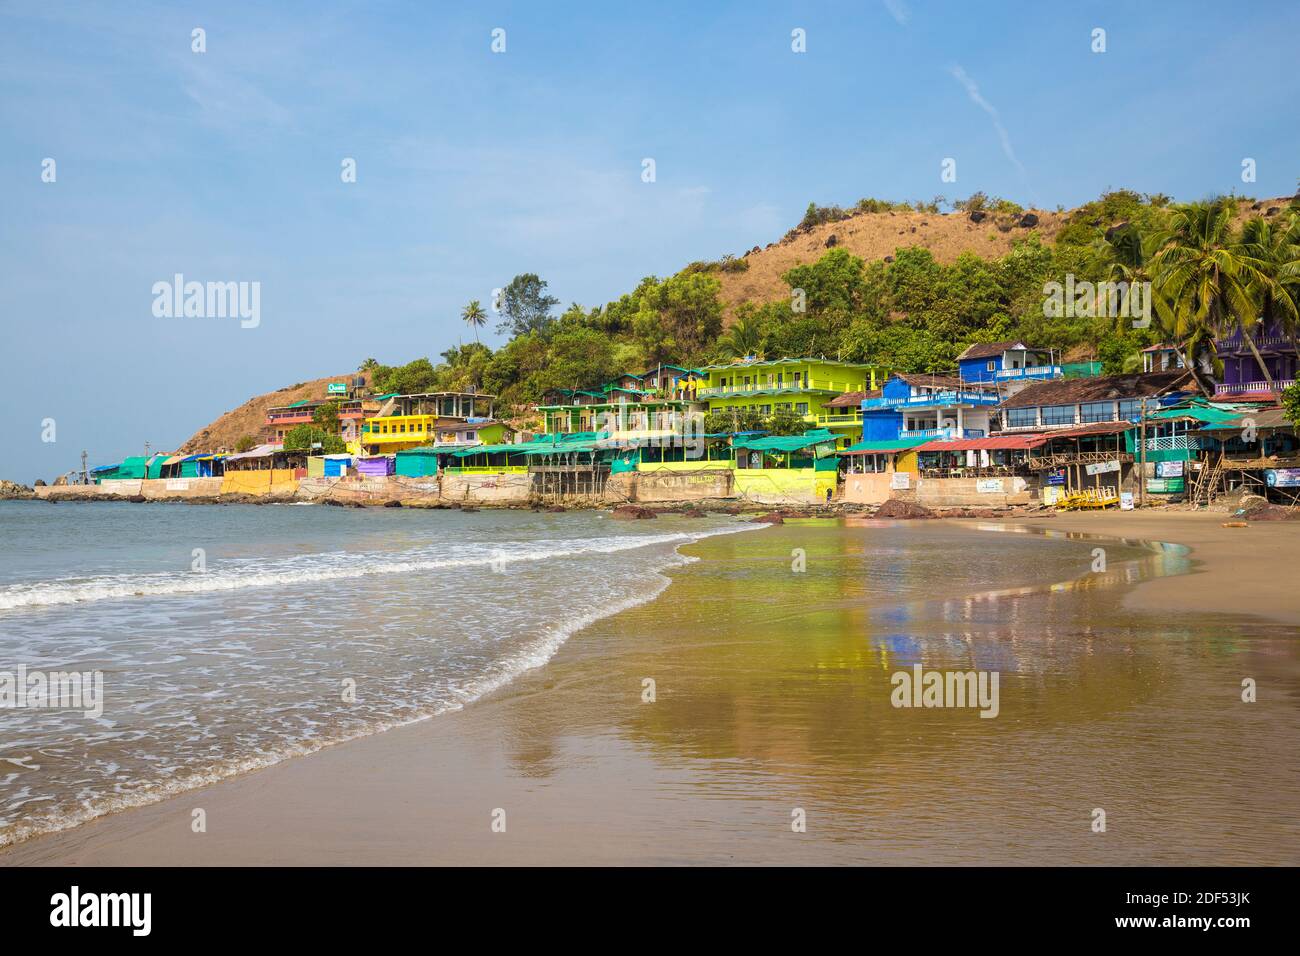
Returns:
point(11, 490)
point(897, 508)
point(632, 512)
point(771, 518)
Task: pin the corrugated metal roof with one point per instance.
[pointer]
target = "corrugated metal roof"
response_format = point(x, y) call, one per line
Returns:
point(992, 443)
point(883, 445)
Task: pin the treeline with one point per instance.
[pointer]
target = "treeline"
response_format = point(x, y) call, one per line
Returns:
point(912, 313)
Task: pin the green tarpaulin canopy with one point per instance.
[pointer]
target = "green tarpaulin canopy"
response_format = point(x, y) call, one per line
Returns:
point(786, 443)
point(884, 445)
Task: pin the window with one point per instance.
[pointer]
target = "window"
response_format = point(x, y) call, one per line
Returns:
point(991, 366)
point(765, 410)
point(1058, 414)
point(1130, 409)
point(801, 408)
point(1021, 417)
point(1097, 412)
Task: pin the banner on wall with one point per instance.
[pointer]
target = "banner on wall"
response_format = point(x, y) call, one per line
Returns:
point(1101, 467)
point(1126, 501)
point(988, 486)
point(900, 480)
point(1282, 477)
point(1169, 469)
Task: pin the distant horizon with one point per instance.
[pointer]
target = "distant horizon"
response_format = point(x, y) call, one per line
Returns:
point(471, 166)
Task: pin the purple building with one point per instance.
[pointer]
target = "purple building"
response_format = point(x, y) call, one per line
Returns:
point(1242, 378)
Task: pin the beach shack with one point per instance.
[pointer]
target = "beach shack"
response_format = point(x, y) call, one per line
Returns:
point(328, 466)
point(779, 468)
point(419, 462)
point(873, 470)
point(375, 466)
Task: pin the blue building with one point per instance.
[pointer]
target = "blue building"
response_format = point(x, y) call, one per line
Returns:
point(1005, 363)
point(928, 406)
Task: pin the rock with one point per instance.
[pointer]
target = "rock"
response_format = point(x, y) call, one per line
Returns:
point(632, 513)
point(12, 491)
point(1028, 220)
point(1267, 511)
point(392, 502)
point(556, 510)
point(40, 483)
point(897, 508)
point(137, 499)
point(769, 519)
point(889, 259)
point(832, 240)
point(1272, 211)
point(694, 513)
point(1118, 227)
point(978, 216)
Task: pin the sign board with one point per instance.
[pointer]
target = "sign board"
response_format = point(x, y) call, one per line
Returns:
point(336, 388)
point(1169, 469)
point(1056, 477)
point(1052, 495)
point(900, 480)
point(1126, 501)
point(178, 484)
point(1165, 486)
point(988, 486)
point(1101, 467)
point(1282, 477)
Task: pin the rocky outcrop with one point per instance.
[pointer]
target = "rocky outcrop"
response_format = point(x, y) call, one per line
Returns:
point(632, 513)
point(12, 491)
point(896, 508)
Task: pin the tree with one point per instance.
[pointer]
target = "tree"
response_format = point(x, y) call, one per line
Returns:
point(1204, 282)
point(785, 422)
point(369, 365)
point(326, 417)
point(303, 437)
point(245, 443)
point(745, 337)
point(728, 421)
point(1291, 404)
point(1276, 246)
point(525, 305)
point(475, 316)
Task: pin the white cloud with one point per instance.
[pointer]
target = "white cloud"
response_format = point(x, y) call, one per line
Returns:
point(973, 92)
point(898, 10)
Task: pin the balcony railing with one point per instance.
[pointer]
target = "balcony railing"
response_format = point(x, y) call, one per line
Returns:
point(1251, 388)
point(1036, 371)
point(938, 399)
point(289, 418)
point(947, 433)
point(803, 385)
point(1175, 443)
point(850, 418)
point(1238, 344)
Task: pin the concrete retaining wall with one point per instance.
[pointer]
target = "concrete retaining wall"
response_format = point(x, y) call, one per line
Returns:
point(500, 489)
point(265, 481)
point(164, 488)
point(778, 486)
point(680, 485)
point(975, 492)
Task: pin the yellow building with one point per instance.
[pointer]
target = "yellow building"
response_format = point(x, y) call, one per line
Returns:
point(411, 421)
point(802, 386)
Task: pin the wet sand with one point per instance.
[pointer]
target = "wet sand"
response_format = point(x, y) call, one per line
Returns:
point(773, 700)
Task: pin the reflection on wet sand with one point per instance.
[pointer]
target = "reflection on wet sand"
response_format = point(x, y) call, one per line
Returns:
point(773, 690)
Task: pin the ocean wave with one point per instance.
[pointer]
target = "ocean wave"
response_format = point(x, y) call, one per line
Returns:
point(327, 566)
point(550, 638)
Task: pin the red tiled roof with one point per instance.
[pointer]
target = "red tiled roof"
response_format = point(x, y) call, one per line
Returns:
point(851, 399)
point(1097, 428)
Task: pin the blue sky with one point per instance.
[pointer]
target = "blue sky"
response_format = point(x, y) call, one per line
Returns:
point(474, 166)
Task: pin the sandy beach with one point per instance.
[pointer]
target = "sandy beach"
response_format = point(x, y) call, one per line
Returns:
point(583, 770)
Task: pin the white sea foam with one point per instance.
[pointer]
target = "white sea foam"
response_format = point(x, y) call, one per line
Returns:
point(331, 566)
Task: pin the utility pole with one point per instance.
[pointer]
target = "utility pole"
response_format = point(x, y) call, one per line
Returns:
point(1142, 456)
point(85, 474)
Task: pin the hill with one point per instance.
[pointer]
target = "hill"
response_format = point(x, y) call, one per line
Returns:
point(249, 418)
point(875, 235)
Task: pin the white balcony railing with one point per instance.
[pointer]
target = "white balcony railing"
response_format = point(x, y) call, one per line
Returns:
point(1174, 443)
point(1036, 371)
point(1250, 388)
point(947, 433)
point(939, 399)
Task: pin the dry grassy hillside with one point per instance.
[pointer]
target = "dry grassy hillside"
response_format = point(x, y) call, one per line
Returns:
point(874, 235)
point(249, 417)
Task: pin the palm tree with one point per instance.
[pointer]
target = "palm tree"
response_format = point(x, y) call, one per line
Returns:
point(1206, 284)
point(744, 338)
point(1277, 246)
point(474, 316)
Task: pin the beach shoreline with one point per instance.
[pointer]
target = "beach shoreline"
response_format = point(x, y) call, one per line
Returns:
point(416, 794)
